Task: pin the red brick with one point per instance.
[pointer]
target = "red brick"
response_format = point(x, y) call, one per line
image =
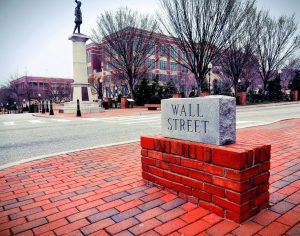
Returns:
point(118, 227)
point(274, 228)
point(144, 152)
point(28, 225)
point(71, 227)
point(62, 214)
point(214, 190)
point(259, 179)
point(194, 228)
point(110, 205)
point(240, 218)
point(148, 176)
point(231, 206)
point(171, 158)
point(172, 177)
point(162, 165)
point(200, 176)
point(241, 198)
point(149, 214)
point(192, 183)
point(145, 226)
point(164, 182)
point(176, 147)
point(261, 199)
point(181, 188)
point(99, 225)
point(212, 218)
point(71, 204)
point(290, 218)
point(56, 204)
point(216, 170)
point(159, 145)
point(129, 205)
point(266, 166)
point(266, 217)
point(192, 150)
point(155, 155)
point(222, 228)
point(231, 159)
point(156, 171)
point(148, 161)
point(179, 169)
point(233, 185)
point(194, 215)
point(191, 163)
point(50, 226)
point(42, 214)
point(82, 214)
point(147, 142)
point(13, 223)
point(212, 207)
point(243, 175)
point(202, 195)
point(90, 205)
point(247, 229)
point(170, 215)
point(170, 226)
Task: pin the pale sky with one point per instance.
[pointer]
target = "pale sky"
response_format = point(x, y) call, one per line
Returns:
point(34, 33)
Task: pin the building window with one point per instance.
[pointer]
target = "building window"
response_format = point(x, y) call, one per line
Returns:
point(174, 52)
point(163, 65)
point(33, 84)
point(184, 69)
point(108, 92)
point(174, 66)
point(163, 50)
point(163, 77)
point(152, 49)
point(151, 63)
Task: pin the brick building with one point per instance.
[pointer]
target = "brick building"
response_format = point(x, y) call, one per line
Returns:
point(35, 87)
point(162, 61)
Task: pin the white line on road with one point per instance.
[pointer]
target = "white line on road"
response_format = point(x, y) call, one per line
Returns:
point(36, 121)
point(61, 120)
point(8, 123)
point(89, 119)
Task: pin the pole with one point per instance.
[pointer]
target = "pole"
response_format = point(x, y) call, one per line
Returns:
point(47, 106)
point(43, 107)
point(78, 108)
point(209, 82)
point(51, 109)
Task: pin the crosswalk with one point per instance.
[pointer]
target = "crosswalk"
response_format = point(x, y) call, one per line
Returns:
point(123, 120)
point(142, 120)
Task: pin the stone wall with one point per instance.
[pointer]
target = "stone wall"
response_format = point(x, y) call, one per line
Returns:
point(231, 181)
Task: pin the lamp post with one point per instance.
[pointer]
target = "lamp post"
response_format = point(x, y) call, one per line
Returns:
point(279, 73)
point(209, 70)
point(51, 113)
point(40, 106)
point(47, 106)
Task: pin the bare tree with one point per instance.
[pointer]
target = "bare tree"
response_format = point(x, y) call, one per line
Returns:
point(276, 42)
point(236, 59)
point(127, 39)
point(203, 28)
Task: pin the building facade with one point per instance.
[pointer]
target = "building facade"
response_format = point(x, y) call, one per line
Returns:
point(165, 60)
point(34, 88)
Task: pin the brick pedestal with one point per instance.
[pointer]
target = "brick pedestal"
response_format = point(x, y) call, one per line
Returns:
point(124, 103)
point(295, 95)
point(242, 98)
point(231, 181)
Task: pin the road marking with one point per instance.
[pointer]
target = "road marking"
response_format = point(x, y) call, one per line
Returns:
point(8, 123)
point(36, 121)
point(89, 119)
point(61, 120)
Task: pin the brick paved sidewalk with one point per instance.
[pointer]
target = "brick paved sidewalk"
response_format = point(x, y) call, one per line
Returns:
point(101, 192)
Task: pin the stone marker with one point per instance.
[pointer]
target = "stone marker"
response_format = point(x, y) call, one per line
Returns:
point(210, 119)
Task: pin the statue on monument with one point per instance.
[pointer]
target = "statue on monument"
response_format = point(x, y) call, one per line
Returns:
point(78, 17)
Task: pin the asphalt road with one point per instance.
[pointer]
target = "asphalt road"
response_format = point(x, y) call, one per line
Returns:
point(23, 136)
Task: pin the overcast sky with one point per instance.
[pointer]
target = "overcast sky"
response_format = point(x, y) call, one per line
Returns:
point(34, 33)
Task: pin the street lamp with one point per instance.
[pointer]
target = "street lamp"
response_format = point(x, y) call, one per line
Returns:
point(40, 106)
point(209, 70)
point(279, 73)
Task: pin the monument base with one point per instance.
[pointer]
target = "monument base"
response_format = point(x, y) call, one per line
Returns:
point(85, 107)
point(231, 181)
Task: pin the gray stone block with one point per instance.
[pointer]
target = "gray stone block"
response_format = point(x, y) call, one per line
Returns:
point(210, 119)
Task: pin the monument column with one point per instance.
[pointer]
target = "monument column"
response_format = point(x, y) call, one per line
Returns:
point(81, 89)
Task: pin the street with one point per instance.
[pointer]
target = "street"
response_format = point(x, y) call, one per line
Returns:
point(24, 136)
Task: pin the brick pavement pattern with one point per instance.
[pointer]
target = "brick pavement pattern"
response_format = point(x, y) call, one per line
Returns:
point(101, 192)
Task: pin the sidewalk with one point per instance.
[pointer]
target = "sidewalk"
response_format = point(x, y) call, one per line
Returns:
point(139, 111)
point(101, 192)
